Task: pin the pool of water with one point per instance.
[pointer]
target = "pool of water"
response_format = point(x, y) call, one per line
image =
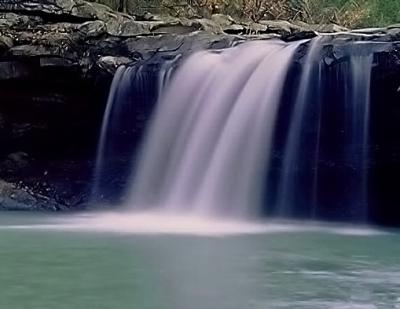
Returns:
point(56, 263)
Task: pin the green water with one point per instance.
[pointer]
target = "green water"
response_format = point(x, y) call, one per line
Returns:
point(44, 268)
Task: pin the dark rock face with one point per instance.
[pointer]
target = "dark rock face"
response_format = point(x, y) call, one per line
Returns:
point(46, 115)
point(57, 60)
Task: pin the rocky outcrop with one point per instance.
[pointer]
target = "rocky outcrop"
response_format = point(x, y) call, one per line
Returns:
point(76, 33)
point(17, 198)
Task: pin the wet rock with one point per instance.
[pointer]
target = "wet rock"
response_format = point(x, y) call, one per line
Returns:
point(13, 197)
point(393, 32)
point(53, 62)
point(147, 16)
point(257, 28)
point(330, 28)
point(76, 33)
point(127, 28)
point(5, 44)
point(13, 70)
point(228, 24)
point(207, 25)
point(110, 63)
point(18, 22)
point(234, 29)
point(282, 27)
point(18, 160)
point(370, 31)
point(303, 35)
point(148, 47)
point(93, 28)
point(223, 20)
point(33, 51)
point(59, 9)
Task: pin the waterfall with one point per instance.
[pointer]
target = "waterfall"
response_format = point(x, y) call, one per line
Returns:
point(131, 87)
point(309, 89)
point(226, 118)
point(357, 131)
point(350, 85)
point(114, 92)
point(208, 144)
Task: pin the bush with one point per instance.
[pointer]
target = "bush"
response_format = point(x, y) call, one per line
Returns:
point(266, 9)
point(349, 13)
point(352, 13)
point(343, 12)
point(383, 13)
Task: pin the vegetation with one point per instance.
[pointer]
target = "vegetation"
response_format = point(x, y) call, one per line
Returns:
point(349, 13)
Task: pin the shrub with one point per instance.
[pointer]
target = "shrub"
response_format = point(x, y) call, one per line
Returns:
point(349, 13)
point(343, 12)
point(266, 9)
point(383, 12)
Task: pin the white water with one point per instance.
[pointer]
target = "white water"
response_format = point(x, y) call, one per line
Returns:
point(210, 137)
point(207, 151)
point(357, 128)
point(353, 80)
point(130, 85)
point(112, 98)
point(161, 223)
point(293, 147)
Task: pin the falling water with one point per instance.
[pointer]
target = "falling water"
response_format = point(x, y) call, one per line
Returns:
point(357, 131)
point(115, 86)
point(309, 88)
point(300, 167)
point(130, 87)
point(209, 141)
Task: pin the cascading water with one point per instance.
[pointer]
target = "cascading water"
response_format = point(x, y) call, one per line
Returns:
point(208, 145)
point(350, 85)
point(211, 142)
point(305, 104)
point(357, 131)
point(131, 87)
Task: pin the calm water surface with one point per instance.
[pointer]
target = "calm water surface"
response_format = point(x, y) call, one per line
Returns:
point(289, 268)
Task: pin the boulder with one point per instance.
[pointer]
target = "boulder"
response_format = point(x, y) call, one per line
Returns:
point(18, 160)
point(329, 28)
point(110, 63)
point(282, 27)
point(13, 197)
point(59, 9)
point(5, 43)
point(10, 70)
point(19, 22)
point(92, 29)
point(224, 21)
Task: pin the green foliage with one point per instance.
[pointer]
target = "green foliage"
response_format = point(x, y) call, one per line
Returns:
point(383, 12)
point(349, 13)
point(344, 12)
